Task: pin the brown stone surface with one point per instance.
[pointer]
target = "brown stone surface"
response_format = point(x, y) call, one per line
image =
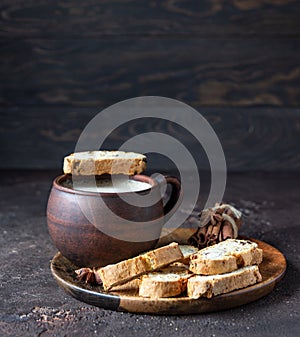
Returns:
point(32, 304)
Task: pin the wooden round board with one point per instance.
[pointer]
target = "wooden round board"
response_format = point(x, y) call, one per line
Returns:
point(126, 297)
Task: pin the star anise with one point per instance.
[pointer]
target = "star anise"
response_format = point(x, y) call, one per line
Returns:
point(88, 275)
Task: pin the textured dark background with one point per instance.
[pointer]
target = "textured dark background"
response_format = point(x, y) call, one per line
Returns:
point(237, 62)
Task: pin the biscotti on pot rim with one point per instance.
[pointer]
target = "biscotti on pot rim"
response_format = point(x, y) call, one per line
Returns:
point(104, 162)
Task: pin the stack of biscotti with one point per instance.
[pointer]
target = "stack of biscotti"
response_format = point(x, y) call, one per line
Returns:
point(168, 281)
point(162, 272)
point(104, 162)
point(177, 269)
point(224, 267)
point(124, 271)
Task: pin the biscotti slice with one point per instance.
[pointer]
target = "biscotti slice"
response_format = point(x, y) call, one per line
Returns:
point(129, 286)
point(124, 271)
point(212, 285)
point(104, 162)
point(225, 257)
point(187, 251)
point(167, 282)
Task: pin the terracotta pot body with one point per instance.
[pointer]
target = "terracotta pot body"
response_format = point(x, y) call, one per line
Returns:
point(93, 234)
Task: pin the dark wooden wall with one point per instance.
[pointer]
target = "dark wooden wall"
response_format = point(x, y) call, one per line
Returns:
point(237, 62)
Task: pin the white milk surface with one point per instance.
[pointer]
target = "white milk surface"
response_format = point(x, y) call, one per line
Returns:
point(113, 186)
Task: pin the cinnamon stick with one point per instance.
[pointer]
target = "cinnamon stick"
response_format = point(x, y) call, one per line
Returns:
point(213, 238)
point(199, 239)
point(227, 231)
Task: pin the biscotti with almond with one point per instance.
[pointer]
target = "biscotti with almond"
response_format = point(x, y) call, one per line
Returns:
point(124, 271)
point(212, 285)
point(104, 162)
point(225, 257)
point(167, 282)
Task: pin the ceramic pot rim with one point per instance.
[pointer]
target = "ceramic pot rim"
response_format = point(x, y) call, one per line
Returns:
point(139, 177)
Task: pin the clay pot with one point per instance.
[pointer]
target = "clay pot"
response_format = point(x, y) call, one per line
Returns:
point(105, 238)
